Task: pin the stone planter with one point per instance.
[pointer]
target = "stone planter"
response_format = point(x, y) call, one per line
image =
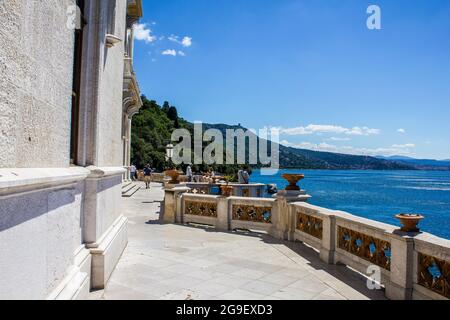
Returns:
point(409, 221)
point(227, 190)
point(174, 175)
point(293, 179)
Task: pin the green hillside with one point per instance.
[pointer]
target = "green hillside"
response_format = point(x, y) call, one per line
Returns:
point(152, 128)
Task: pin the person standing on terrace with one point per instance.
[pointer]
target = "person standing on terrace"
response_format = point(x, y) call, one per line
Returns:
point(189, 173)
point(133, 172)
point(243, 176)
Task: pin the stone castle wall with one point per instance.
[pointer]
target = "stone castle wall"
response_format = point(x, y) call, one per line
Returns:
point(36, 62)
point(39, 234)
point(61, 229)
point(110, 95)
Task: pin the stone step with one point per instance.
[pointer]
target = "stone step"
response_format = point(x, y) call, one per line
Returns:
point(131, 191)
point(128, 187)
point(126, 184)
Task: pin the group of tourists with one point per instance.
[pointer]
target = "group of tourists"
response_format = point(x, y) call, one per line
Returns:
point(145, 175)
point(146, 172)
point(243, 175)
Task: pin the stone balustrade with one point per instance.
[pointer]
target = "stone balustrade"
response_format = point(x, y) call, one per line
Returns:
point(253, 214)
point(408, 265)
point(204, 209)
point(431, 267)
point(255, 190)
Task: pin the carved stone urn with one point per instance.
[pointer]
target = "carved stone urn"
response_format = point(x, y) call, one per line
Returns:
point(173, 174)
point(409, 221)
point(227, 190)
point(293, 179)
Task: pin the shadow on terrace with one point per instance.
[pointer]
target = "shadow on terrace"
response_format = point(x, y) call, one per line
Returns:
point(192, 262)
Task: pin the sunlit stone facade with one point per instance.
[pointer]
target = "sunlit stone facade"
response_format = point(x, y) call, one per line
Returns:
point(66, 100)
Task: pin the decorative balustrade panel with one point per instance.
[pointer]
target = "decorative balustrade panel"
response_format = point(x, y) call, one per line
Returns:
point(252, 213)
point(204, 209)
point(434, 274)
point(374, 250)
point(310, 225)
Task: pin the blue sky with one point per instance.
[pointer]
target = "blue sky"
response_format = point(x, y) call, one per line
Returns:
point(311, 68)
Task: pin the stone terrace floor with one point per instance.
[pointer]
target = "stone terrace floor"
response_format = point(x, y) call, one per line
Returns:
point(164, 261)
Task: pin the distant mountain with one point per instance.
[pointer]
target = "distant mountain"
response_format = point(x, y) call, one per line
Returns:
point(396, 158)
point(308, 159)
point(425, 164)
point(328, 160)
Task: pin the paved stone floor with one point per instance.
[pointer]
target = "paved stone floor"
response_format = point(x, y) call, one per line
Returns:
point(185, 263)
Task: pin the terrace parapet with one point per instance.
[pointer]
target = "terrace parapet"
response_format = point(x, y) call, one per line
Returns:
point(405, 265)
point(256, 190)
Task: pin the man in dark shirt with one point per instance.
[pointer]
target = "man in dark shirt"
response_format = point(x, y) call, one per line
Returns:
point(147, 176)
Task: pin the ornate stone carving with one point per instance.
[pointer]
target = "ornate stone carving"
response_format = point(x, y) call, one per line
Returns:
point(434, 274)
point(310, 225)
point(204, 209)
point(252, 213)
point(375, 250)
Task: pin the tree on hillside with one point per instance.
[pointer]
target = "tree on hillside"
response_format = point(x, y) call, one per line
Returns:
point(172, 114)
point(166, 107)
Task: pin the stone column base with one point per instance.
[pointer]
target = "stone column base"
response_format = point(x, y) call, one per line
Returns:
point(396, 292)
point(327, 256)
point(106, 254)
point(76, 285)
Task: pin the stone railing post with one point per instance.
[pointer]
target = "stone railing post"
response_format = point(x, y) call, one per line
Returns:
point(277, 223)
point(400, 284)
point(172, 204)
point(285, 225)
point(283, 219)
point(328, 249)
point(223, 214)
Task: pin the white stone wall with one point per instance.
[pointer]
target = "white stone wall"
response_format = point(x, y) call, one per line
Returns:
point(39, 235)
point(44, 228)
point(36, 62)
point(102, 206)
point(110, 145)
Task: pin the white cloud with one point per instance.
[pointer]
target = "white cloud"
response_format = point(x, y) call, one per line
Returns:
point(401, 131)
point(169, 52)
point(173, 38)
point(185, 42)
point(173, 52)
point(404, 150)
point(319, 129)
point(339, 139)
point(406, 146)
point(143, 33)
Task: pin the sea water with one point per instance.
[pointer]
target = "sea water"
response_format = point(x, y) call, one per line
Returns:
point(378, 195)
